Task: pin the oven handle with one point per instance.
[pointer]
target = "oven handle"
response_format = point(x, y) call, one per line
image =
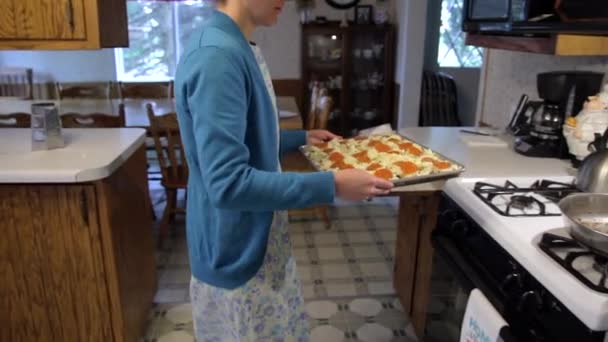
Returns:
point(467, 276)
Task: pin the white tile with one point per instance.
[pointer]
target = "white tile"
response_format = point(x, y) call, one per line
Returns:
point(356, 224)
point(180, 314)
point(330, 253)
point(365, 307)
point(300, 254)
point(298, 240)
point(303, 272)
point(357, 237)
point(374, 332)
point(385, 222)
point(176, 336)
point(397, 305)
point(308, 291)
point(341, 290)
point(326, 333)
point(375, 269)
point(381, 288)
point(389, 235)
point(335, 272)
point(325, 239)
point(171, 295)
point(321, 309)
point(367, 252)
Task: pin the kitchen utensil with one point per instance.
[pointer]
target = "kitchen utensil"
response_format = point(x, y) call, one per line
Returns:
point(517, 116)
point(378, 50)
point(593, 173)
point(368, 53)
point(46, 127)
point(357, 53)
point(586, 217)
point(474, 132)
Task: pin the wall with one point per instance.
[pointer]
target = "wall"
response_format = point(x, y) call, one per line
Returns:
point(411, 19)
point(64, 66)
point(467, 87)
point(280, 44)
point(511, 74)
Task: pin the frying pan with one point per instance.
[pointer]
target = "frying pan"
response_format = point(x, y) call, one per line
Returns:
point(586, 217)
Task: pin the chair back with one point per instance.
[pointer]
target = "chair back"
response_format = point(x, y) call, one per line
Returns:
point(438, 100)
point(97, 90)
point(320, 108)
point(169, 148)
point(145, 90)
point(17, 82)
point(93, 120)
point(15, 120)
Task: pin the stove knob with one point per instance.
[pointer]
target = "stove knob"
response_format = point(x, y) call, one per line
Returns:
point(530, 303)
point(513, 283)
point(460, 227)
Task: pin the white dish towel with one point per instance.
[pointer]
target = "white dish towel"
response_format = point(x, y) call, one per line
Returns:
point(482, 323)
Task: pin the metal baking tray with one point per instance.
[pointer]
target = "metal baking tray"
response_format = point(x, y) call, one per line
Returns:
point(409, 180)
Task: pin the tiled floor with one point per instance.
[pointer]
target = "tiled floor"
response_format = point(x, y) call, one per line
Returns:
point(345, 273)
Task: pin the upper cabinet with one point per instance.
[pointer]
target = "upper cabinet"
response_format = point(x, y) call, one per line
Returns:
point(556, 44)
point(557, 27)
point(63, 24)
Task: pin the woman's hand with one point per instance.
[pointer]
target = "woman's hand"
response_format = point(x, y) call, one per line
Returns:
point(319, 136)
point(358, 185)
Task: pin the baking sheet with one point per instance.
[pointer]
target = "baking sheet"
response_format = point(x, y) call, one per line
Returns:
point(409, 180)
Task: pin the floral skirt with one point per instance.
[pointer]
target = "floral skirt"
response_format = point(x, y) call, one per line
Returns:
point(269, 307)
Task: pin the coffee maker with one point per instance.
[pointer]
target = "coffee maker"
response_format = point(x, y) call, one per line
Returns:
point(537, 125)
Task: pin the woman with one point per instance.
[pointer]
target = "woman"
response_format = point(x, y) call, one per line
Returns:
point(244, 285)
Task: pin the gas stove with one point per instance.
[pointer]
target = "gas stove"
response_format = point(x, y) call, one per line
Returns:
point(521, 215)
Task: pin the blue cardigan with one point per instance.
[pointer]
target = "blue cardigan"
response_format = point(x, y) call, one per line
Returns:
point(229, 134)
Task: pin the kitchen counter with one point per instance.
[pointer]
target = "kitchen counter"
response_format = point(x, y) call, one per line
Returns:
point(480, 161)
point(89, 154)
point(77, 247)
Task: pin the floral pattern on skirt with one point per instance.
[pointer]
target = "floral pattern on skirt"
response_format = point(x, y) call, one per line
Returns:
point(269, 307)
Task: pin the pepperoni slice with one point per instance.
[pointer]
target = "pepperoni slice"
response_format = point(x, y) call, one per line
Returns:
point(428, 159)
point(405, 146)
point(407, 167)
point(381, 147)
point(374, 166)
point(384, 173)
point(415, 151)
point(336, 156)
point(362, 157)
point(442, 165)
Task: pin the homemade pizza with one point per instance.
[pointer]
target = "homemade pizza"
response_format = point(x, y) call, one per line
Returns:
point(391, 157)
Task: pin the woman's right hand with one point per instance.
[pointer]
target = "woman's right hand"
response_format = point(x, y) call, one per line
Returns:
point(358, 185)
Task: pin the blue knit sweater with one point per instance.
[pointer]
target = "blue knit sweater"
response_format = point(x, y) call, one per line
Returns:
point(229, 134)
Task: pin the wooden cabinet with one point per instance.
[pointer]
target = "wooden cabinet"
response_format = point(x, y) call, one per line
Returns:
point(77, 260)
point(559, 44)
point(356, 64)
point(63, 24)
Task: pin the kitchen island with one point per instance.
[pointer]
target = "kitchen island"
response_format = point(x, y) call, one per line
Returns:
point(77, 252)
point(418, 206)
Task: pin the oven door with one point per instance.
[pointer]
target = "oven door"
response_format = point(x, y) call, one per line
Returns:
point(455, 274)
point(452, 282)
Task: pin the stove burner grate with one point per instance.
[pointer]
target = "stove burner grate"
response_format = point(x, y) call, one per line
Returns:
point(551, 244)
point(520, 198)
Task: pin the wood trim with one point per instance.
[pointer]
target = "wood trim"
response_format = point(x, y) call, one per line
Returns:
point(128, 245)
point(578, 45)
point(424, 261)
point(536, 45)
point(113, 16)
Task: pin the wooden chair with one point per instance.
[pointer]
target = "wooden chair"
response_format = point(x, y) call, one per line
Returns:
point(93, 120)
point(17, 82)
point(15, 120)
point(145, 90)
point(174, 169)
point(320, 108)
point(97, 90)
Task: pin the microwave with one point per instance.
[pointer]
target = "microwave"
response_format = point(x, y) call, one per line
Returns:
point(535, 17)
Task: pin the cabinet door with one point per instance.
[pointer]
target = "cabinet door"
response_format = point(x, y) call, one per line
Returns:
point(42, 19)
point(51, 264)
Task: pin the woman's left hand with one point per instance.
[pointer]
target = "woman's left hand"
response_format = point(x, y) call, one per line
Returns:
point(319, 136)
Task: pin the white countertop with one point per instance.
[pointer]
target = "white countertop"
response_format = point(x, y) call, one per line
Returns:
point(89, 154)
point(480, 161)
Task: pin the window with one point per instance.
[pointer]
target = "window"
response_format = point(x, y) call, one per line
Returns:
point(158, 31)
point(452, 50)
